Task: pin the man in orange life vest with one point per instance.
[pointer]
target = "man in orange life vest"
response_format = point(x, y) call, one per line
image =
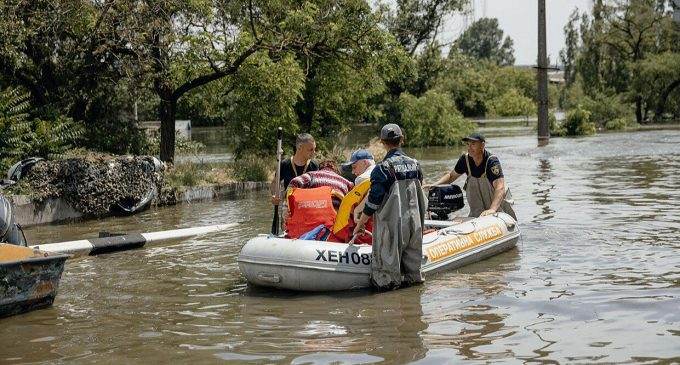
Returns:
point(308, 200)
point(327, 175)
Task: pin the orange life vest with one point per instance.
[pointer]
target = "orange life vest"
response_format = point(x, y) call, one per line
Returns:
point(308, 208)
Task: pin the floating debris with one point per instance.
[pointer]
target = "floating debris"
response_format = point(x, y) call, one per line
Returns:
point(96, 184)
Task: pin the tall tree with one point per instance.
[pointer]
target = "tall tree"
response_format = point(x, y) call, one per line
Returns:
point(569, 53)
point(620, 35)
point(655, 79)
point(484, 40)
point(348, 53)
point(417, 22)
point(415, 25)
point(632, 34)
point(178, 46)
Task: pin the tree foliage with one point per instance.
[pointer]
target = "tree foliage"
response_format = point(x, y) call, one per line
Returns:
point(263, 99)
point(577, 123)
point(24, 137)
point(655, 79)
point(614, 44)
point(568, 54)
point(511, 103)
point(476, 85)
point(484, 40)
point(417, 22)
point(432, 120)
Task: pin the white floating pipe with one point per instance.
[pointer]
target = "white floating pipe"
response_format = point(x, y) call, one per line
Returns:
point(96, 246)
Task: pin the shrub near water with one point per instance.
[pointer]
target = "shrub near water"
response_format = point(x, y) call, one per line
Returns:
point(577, 123)
point(432, 120)
point(607, 111)
point(253, 168)
point(616, 124)
point(511, 103)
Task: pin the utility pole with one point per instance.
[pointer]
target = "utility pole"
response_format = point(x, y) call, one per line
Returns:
point(543, 127)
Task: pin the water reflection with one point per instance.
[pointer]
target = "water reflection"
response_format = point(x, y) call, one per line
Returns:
point(325, 328)
point(542, 188)
point(469, 327)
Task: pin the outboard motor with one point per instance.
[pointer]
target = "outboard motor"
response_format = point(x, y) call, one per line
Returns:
point(10, 231)
point(445, 199)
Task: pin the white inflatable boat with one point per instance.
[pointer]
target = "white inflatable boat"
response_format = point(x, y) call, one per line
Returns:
point(271, 261)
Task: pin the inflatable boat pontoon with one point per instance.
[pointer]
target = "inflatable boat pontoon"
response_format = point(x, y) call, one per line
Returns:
point(272, 261)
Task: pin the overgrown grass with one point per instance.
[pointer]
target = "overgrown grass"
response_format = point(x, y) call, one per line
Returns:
point(183, 146)
point(198, 174)
point(253, 168)
point(202, 174)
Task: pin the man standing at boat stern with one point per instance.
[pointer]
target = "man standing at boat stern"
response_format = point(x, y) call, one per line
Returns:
point(397, 204)
point(485, 184)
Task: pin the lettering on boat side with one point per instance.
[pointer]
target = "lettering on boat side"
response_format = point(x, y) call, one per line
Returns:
point(457, 244)
point(343, 257)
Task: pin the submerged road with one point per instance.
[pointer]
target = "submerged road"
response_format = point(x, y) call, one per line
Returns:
point(595, 278)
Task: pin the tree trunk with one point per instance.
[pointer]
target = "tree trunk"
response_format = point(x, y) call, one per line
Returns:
point(167, 116)
point(661, 105)
point(305, 108)
point(638, 109)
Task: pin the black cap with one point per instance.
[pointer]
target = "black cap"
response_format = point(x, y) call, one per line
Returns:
point(475, 137)
point(390, 131)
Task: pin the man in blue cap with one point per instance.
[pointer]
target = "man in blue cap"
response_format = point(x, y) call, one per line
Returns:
point(485, 185)
point(397, 204)
point(362, 164)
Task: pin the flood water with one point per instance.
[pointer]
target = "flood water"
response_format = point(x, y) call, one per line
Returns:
point(595, 278)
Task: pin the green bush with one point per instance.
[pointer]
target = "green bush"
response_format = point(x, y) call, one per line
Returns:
point(602, 106)
point(473, 84)
point(521, 79)
point(511, 103)
point(605, 108)
point(185, 175)
point(49, 139)
point(556, 129)
point(252, 168)
point(14, 125)
point(578, 122)
point(22, 137)
point(616, 124)
point(432, 120)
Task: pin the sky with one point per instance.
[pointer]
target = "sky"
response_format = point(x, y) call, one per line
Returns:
point(519, 20)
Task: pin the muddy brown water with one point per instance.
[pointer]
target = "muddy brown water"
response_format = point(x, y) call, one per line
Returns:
point(595, 278)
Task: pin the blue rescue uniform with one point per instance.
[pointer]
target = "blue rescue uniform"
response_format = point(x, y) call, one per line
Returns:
point(395, 166)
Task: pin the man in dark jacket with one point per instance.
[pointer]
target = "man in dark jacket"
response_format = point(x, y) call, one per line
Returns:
point(397, 204)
